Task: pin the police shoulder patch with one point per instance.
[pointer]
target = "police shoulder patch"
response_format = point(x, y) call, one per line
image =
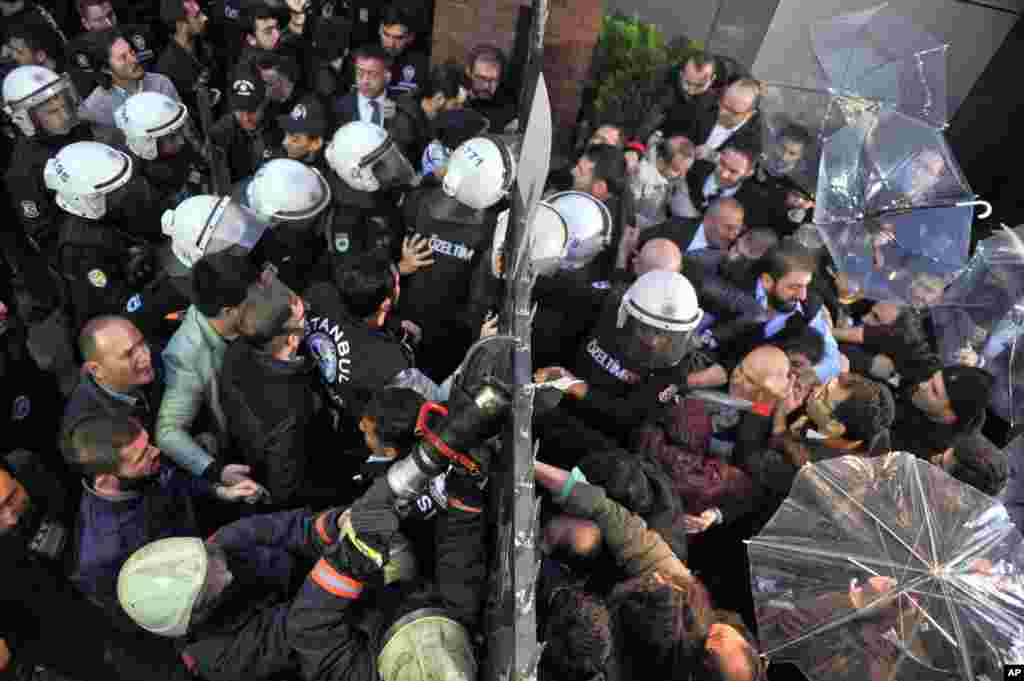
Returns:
point(603, 285)
point(341, 242)
point(134, 303)
point(21, 408)
point(30, 209)
point(97, 278)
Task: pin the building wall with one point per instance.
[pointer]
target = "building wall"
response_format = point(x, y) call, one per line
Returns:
point(570, 35)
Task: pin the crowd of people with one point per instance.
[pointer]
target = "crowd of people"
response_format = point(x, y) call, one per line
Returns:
point(248, 247)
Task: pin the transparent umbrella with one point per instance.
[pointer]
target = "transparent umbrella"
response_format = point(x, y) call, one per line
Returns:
point(888, 568)
point(892, 204)
point(881, 55)
point(791, 135)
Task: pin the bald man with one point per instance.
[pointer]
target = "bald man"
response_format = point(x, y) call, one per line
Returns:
point(120, 376)
point(737, 121)
point(657, 254)
point(722, 224)
point(762, 376)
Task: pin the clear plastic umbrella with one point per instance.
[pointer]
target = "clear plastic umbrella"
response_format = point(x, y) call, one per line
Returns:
point(888, 568)
point(793, 118)
point(882, 55)
point(892, 204)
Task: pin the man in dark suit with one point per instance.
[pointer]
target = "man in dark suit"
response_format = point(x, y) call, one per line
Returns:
point(721, 226)
point(488, 93)
point(690, 97)
point(729, 176)
point(733, 122)
point(369, 101)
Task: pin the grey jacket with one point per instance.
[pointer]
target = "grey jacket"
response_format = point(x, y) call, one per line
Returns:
point(192, 363)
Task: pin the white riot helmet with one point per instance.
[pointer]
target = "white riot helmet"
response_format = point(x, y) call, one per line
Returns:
point(659, 314)
point(83, 174)
point(288, 192)
point(426, 645)
point(40, 101)
point(548, 238)
point(589, 223)
point(206, 224)
point(159, 585)
point(480, 172)
point(367, 159)
point(146, 117)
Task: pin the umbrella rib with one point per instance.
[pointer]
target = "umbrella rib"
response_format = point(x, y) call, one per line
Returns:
point(957, 629)
point(824, 553)
point(848, 617)
point(979, 549)
point(872, 515)
point(926, 511)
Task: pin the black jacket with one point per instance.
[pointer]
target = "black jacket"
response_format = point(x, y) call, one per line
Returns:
point(353, 360)
point(410, 128)
point(33, 202)
point(762, 208)
point(244, 151)
point(499, 111)
point(90, 400)
point(436, 296)
point(703, 122)
point(269, 406)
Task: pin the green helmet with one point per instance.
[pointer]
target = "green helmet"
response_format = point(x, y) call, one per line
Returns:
point(427, 645)
point(160, 583)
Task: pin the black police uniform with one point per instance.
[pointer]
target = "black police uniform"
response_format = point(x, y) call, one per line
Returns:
point(435, 297)
point(95, 259)
point(33, 203)
point(353, 360)
point(362, 222)
point(622, 394)
point(163, 300)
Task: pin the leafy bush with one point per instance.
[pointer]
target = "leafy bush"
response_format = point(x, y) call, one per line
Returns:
point(630, 70)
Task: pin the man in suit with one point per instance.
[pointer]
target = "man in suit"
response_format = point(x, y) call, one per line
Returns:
point(728, 176)
point(690, 97)
point(734, 121)
point(721, 226)
point(369, 102)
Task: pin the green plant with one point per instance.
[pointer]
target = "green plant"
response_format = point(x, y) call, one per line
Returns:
point(631, 63)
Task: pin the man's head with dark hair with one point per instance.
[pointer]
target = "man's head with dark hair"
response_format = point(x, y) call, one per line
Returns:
point(259, 24)
point(96, 15)
point(974, 460)
point(735, 164)
point(184, 17)
point(388, 422)
point(578, 635)
point(274, 319)
point(485, 67)
point(114, 54)
point(373, 70)
point(397, 30)
point(33, 42)
point(697, 74)
point(221, 284)
point(368, 288)
point(730, 654)
point(662, 622)
point(600, 171)
point(443, 89)
point(785, 273)
point(610, 134)
point(794, 142)
point(804, 349)
point(724, 222)
point(852, 407)
point(113, 451)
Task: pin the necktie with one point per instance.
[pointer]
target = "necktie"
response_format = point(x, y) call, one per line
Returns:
point(375, 118)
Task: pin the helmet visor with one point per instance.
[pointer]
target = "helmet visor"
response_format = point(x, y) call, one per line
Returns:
point(231, 225)
point(652, 348)
point(391, 167)
point(54, 109)
point(301, 215)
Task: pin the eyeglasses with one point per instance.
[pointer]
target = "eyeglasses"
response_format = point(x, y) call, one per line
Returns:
point(484, 80)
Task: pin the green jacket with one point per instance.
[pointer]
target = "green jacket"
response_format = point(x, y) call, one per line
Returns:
point(192, 362)
point(637, 549)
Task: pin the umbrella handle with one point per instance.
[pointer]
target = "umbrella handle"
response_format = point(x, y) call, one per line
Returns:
point(978, 202)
